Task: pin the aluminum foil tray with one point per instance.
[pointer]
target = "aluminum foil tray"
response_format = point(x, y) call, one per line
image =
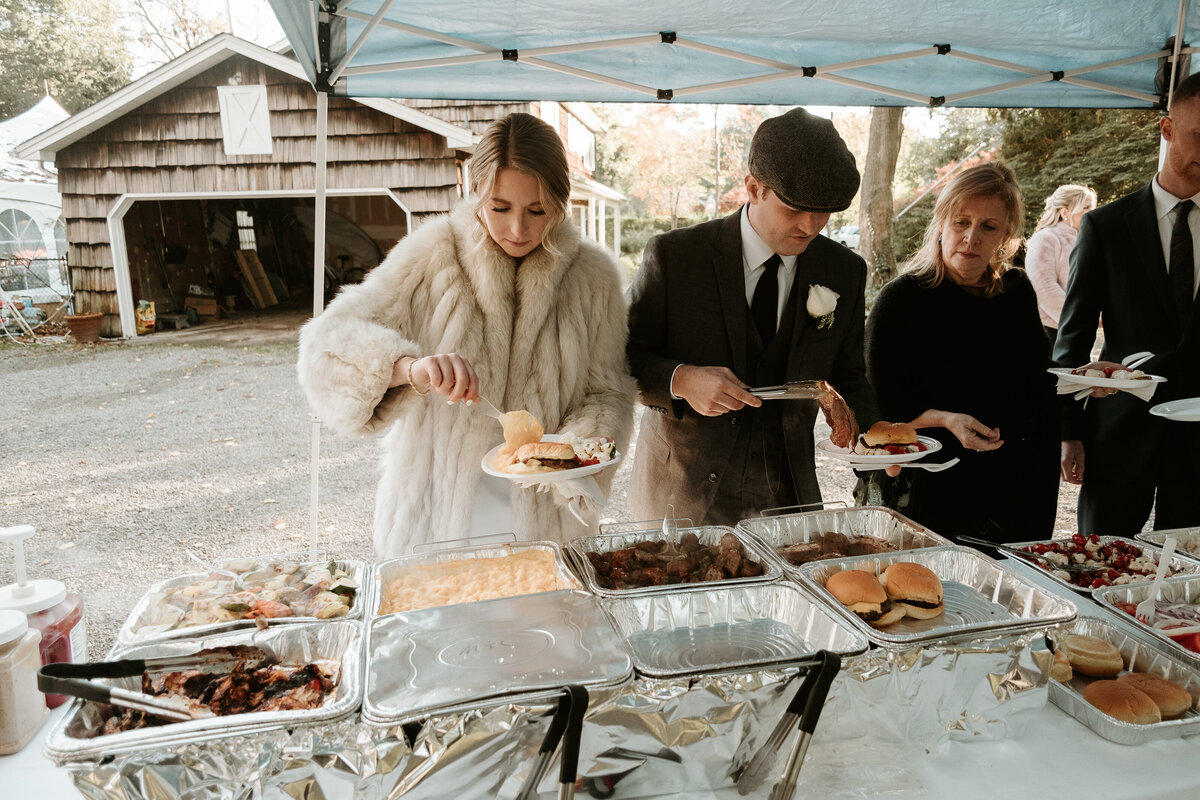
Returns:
point(981, 597)
point(438, 659)
point(1187, 541)
point(441, 566)
point(876, 522)
point(338, 640)
point(1180, 565)
point(134, 632)
point(709, 535)
point(1142, 653)
point(1181, 589)
point(728, 628)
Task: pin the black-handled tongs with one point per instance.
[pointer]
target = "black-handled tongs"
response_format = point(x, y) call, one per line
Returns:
point(567, 726)
point(806, 708)
point(77, 680)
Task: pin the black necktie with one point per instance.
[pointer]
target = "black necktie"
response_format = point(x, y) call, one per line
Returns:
point(1182, 263)
point(764, 306)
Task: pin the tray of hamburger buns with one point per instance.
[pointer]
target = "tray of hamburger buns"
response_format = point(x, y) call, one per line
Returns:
point(1123, 683)
point(933, 594)
point(648, 560)
point(801, 537)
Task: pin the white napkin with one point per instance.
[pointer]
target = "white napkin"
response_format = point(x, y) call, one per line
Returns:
point(1068, 386)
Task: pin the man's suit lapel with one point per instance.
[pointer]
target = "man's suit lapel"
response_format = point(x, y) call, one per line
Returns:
point(1146, 249)
point(731, 284)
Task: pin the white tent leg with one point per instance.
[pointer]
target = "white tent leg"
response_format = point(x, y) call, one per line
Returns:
point(318, 290)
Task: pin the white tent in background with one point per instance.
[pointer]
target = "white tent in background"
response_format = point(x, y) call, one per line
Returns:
point(1021, 53)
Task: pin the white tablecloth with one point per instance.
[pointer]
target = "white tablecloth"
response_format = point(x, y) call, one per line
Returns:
point(1056, 758)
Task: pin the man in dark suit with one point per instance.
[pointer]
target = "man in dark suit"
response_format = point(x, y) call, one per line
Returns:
point(746, 301)
point(1134, 269)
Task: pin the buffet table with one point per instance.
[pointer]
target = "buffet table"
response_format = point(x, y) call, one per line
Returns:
point(1053, 754)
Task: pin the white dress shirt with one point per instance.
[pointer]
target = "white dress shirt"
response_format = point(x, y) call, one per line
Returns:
point(755, 252)
point(1164, 210)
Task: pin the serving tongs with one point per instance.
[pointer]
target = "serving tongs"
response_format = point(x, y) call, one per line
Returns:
point(805, 708)
point(792, 390)
point(77, 680)
point(566, 726)
point(1039, 561)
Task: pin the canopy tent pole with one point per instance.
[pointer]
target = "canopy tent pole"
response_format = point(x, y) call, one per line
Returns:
point(318, 290)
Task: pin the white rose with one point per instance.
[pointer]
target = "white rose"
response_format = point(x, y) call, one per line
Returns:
point(821, 301)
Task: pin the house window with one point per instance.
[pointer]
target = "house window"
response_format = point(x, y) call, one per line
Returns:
point(245, 122)
point(581, 141)
point(245, 224)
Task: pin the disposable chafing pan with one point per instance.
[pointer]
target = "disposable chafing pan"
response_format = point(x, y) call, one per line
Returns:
point(728, 628)
point(337, 640)
point(1187, 541)
point(981, 597)
point(1142, 653)
point(709, 536)
point(441, 659)
point(134, 632)
point(876, 522)
point(463, 559)
point(1179, 564)
point(1181, 589)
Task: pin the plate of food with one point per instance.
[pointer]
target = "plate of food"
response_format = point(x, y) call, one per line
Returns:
point(1108, 377)
point(554, 457)
point(1187, 410)
point(885, 443)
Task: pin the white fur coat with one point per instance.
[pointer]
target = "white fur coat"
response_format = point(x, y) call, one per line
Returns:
point(547, 336)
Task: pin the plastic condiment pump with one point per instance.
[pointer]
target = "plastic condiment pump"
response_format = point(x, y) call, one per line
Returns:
point(26, 595)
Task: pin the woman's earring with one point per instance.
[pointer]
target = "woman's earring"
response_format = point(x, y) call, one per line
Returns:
point(939, 240)
point(1001, 251)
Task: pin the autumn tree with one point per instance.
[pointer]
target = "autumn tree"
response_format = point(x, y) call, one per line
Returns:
point(169, 28)
point(875, 202)
point(72, 48)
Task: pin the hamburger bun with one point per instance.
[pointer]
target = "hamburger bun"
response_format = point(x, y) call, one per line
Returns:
point(1122, 701)
point(1091, 656)
point(915, 588)
point(861, 593)
point(1172, 700)
point(555, 451)
point(882, 433)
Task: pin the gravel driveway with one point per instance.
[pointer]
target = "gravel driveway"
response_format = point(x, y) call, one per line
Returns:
point(125, 456)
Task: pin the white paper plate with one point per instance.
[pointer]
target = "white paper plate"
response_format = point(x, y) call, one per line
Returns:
point(1108, 383)
point(546, 477)
point(843, 454)
point(1179, 410)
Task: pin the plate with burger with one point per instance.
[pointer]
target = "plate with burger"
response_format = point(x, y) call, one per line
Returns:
point(1108, 377)
point(885, 443)
point(555, 457)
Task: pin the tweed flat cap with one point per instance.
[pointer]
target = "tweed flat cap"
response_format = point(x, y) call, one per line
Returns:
point(804, 161)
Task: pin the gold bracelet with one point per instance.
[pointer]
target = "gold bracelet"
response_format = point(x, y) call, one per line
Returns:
point(410, 378)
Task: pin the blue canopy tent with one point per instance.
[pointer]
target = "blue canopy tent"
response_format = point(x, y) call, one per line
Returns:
point(954, 53)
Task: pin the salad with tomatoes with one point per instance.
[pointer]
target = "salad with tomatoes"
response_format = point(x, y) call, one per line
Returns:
point(1168, 615)
point(1107, 561)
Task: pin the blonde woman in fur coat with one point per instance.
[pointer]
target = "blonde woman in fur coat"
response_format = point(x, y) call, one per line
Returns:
point(501, 298)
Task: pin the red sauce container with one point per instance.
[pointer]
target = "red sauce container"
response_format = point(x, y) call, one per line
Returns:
point(51, 610)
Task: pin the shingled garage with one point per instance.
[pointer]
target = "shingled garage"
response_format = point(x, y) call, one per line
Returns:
point(201, 174)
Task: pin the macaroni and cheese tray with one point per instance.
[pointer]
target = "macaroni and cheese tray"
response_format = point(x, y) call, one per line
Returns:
point(469, 574)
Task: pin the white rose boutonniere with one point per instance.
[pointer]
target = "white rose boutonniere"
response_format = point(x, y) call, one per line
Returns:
point(821, 303)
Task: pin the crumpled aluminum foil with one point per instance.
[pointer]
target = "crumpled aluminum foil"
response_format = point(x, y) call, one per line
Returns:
point(646, 738)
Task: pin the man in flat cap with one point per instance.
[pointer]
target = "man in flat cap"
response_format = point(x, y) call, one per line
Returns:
point(755, 299)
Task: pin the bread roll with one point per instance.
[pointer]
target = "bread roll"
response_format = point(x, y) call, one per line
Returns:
point(1091, 656)
point(1122, 701)
point(1172, 700)
point(882, 433)
point(1060, 670)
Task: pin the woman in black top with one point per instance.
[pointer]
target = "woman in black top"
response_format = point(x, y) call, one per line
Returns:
point(955, 345)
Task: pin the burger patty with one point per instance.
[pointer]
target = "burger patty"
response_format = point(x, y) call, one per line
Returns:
point(871, 616)
point(554, 463)
point(919, 603)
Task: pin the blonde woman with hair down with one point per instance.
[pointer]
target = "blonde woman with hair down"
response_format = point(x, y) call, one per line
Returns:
point(954, 346)
point(501, 297)
point(1047, 256)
